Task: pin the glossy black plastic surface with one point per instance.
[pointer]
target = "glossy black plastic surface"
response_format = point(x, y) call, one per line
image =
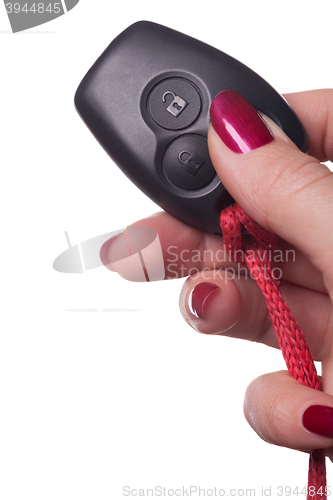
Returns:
point(149, 93)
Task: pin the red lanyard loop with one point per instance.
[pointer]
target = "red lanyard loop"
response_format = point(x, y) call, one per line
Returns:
point(255, 247)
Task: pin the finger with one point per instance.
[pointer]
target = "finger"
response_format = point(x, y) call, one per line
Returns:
point(218, 302)
point(327, 367)
point(187, 250)
point(327, 382)
point(316, 115)
point(283, 189)
point(286, 413)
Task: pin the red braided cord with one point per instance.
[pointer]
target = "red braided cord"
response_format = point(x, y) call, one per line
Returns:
point(256, 251)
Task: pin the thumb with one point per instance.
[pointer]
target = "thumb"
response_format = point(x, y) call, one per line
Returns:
point(283, 189)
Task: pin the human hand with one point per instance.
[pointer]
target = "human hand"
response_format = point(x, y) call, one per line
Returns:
point(289, 193)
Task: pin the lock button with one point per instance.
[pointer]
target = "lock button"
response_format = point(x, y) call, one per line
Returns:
point(186, 162)
point(190, 161)
point(174, 103)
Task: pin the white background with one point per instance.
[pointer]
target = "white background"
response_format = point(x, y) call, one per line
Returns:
point(93, 401)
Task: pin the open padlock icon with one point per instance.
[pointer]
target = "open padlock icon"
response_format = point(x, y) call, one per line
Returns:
point(177, 105)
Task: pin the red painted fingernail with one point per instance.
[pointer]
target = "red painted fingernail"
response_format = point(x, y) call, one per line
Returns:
point(201, 297)
point(319, 419)
point(237, 123)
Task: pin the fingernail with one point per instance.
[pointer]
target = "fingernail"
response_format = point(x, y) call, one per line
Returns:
point(104, 252)
point(200, 299)
point(238, 123)
point(319, 419)
point(135, 254)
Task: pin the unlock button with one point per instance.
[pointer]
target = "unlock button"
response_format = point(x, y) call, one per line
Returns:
point(186, 162)
point(174, 103)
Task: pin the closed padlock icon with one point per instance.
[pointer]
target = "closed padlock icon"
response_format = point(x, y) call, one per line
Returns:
point(191, 161)
point(177, 105)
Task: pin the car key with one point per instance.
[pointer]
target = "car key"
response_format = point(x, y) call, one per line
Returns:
point(147, 99)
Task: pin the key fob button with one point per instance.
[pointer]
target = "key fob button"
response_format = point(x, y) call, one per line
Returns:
point(186, 163)
point(174, 103)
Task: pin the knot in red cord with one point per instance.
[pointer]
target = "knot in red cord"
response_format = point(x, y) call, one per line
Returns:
point(237, 241)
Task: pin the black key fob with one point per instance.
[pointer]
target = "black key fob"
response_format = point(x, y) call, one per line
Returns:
point(147, 99)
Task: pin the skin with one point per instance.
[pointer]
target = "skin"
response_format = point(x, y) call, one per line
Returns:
point(289, 193)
